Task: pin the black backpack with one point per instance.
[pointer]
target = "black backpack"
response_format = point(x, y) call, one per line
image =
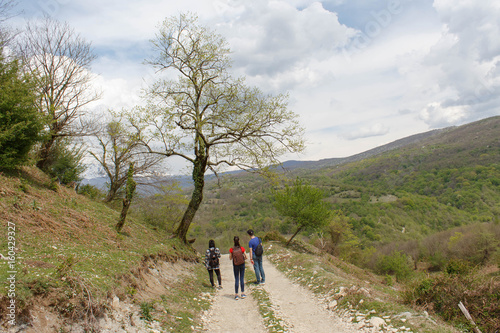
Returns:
point(259, 250)
point(213, 259)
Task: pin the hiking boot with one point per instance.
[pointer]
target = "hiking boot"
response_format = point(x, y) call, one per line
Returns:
point(263, 283)
point(243, 295)
point(219, 287)
point(236, 297)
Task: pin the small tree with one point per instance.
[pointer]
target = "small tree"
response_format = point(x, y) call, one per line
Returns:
point(342, 241)
point(303, 204)
point(66, 161)
point(20, 123)
point(129, 195)
point(119, 146)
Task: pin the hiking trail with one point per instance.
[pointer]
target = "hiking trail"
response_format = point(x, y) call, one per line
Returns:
point(293, 305)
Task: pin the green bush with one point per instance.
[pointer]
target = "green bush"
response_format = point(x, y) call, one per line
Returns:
point(20, 123)
point(437, 262)
point(66, 162)
point(274, 235)
point(398, 264)
point(90, 191)
point(458, 267)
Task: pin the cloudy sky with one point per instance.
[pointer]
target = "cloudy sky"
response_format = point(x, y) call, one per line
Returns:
point(360, 73)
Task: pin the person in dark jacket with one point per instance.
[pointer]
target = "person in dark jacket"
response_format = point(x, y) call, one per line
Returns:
point(212, 263)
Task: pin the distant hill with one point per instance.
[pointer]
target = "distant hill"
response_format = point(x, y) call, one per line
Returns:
point(292, 164)
point(419, 185)
point(478, 135)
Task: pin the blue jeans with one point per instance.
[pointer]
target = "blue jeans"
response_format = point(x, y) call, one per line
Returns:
point(259, 270)
point(239, 277)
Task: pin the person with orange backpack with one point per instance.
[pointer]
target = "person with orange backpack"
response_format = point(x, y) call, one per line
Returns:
point(238, 256)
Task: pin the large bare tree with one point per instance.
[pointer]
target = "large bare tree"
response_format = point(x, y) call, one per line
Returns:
point(59, 59)
point(207, 117)
point(118, 147)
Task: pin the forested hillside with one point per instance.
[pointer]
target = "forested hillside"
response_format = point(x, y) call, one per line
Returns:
point(446, 180)
point(430, 206)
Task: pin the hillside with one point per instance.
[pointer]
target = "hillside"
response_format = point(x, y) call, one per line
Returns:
point(429, 207)
point(74, 273)
point(65, 262)
point(413, 206)
point(440, 180)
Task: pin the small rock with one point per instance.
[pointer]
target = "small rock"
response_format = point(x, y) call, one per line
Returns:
point(116, 303)
point(405, 314)
point(332, 305)
point(376, 322)
point(364, 291)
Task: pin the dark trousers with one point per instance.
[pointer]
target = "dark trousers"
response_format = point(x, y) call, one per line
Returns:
point(239, 277)
point(211, 275)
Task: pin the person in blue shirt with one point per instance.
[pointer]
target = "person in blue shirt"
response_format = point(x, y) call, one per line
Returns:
point(255, 259)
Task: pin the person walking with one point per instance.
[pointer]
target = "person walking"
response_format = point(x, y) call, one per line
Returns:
point(256, 257)
point(238, 256)
point(212, 256)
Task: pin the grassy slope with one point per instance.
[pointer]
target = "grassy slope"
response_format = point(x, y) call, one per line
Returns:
point(68, 255)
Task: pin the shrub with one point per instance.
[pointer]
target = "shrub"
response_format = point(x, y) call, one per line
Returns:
point(20, 123)
point(274, 236)
point(398, 264)
point(437, 262)
point(458, 267)
point(65, 162)
point(90, 191)
point(441, 294)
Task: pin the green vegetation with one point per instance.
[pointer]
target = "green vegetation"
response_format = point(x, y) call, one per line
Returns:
point(206, 116)
point(303, 204)
point(423, 209)
point(65, 162)
point(20, 123)
point(68, 252)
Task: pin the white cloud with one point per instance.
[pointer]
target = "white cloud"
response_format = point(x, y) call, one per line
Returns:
point(367, 131)
point(272, 37)
point(464, 63)
point(360, 74)
point(443, 116)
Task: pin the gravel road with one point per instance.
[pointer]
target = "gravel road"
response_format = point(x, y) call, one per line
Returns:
point(296, 306)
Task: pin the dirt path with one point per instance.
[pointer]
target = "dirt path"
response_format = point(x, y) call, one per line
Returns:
point(229, 315)
point(294, 305)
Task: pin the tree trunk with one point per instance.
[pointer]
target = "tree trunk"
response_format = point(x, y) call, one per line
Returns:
point(129, 194)
point(123, 215)
point(42, 163)
point(199, 182)
point(113, 188)
point(295, 234)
